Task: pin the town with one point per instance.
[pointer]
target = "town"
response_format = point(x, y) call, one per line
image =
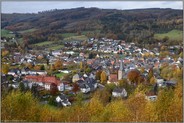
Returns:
point(85, 61)
point(58, 77)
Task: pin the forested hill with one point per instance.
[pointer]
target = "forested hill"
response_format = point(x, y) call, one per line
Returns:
point(130, 25)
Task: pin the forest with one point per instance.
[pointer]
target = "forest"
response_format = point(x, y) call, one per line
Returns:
point(137, 26)
point(22, 106)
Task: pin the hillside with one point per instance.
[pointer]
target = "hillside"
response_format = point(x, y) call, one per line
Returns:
point(130, 25)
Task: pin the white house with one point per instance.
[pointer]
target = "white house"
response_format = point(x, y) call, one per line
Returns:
point(119, 92)
point(75, 78)
point(84, 88)
point(39, 72)
point(14, 85)
point(63, 100)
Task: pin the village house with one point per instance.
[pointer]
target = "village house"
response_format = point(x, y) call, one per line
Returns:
point(113, 78)
point(119, 92)
point(62, 98)
point(14, 72)
point(87, 85)
point(43, 81)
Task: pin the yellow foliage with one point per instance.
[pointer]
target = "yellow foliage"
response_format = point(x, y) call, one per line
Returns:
point(81, 65)
point(153, 80)
point(37, 67)
point(58, 65)
point(167, 108)
point(142, 69)
point(136, 105)
point(116, 111)
point(5, 53)
point(19, 106)
point(5, 68)
point(103, 77)
point(95, 107)
point(29, 65)
point(141, 89)
point(147, 54)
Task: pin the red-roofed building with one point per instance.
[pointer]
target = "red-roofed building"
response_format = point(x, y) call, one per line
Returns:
point(44, 81)
point(113, 78)
point(90, 61)
point(126, 61)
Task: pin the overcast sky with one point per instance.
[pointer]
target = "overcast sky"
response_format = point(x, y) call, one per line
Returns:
point(35, 6)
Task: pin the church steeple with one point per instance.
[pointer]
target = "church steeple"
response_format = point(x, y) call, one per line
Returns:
point(120, 71)
point(121, 65)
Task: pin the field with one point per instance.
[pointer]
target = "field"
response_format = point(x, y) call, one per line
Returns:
point(6, 33)
point(27, 31)
point(44, 43)
point(59, 75)
point(92, 32)
point(80, 38)
point(173, 35)
point(66, 35)
point(50, 45)
point(56, 47)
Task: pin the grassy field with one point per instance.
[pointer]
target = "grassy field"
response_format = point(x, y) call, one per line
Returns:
point(59, 75)
point(43, 43)
point(6, 33)
point(95, 31)
point(80, 38)
point(27, 31)
point(56, 47)
point(66, 35)
point(173, 35)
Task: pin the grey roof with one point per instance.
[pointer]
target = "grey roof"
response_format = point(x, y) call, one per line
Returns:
point(90, 80)
point(118, 90)
point(63, 97)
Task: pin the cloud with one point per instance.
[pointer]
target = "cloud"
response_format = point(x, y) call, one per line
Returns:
point(35, 6)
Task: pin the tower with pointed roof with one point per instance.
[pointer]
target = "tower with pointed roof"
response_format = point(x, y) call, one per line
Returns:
point(120, 71)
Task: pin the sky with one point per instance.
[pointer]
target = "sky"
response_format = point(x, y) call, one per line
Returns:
point(37, 6)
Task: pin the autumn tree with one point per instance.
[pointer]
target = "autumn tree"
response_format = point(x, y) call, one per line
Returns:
point(81, 65)
point(20, 106)
point(4, 53)
point(58, 64)
point(79, 98)
point(178, 73)
point(115, 111)
point(21, 86)
point(103, 77)
point(94, 109)
point(133, 76)
point(53, 89)
point(150, 74)
point(136, 104)
point(98, 73)
point(5, 68)
point(88, 70)
point(29, 65)
point(75, 87)
point(162, 105)
point(153, 80)
point(142, 69)
point(103, 95)
point(37, 67)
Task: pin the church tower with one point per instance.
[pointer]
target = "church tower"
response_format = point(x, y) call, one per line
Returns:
point(120, 71)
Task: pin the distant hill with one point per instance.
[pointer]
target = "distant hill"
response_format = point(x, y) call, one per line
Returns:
point(130, 25)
